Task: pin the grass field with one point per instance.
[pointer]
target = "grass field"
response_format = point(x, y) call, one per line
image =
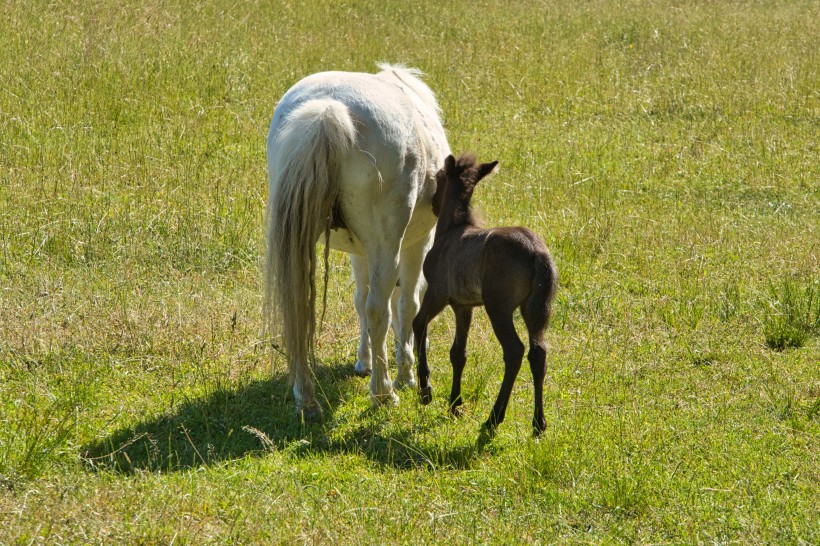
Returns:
point(666, 152)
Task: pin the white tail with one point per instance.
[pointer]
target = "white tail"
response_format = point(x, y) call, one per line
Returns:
point(303, 166)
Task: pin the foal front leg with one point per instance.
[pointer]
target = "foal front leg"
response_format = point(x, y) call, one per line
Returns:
point(458, 354)
point(430, 307)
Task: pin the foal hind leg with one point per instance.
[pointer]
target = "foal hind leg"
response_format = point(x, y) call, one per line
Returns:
point(536, 316)
point(458, 354)
point(360, 274)
point(538, 365)
point(501, 318)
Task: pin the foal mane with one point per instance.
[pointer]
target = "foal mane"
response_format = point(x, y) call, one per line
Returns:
point(466, 160)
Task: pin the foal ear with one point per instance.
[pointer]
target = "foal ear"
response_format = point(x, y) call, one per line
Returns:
point(449, 164)
point(486, 168)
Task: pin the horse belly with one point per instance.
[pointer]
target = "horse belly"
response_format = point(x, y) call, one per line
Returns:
point(379, 199)
point(345, 241)
point(421, 223)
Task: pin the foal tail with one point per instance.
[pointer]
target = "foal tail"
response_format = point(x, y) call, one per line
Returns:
point(537, 308)
point(303, 170)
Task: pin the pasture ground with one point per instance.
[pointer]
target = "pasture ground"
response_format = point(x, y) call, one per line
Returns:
point(667, 153)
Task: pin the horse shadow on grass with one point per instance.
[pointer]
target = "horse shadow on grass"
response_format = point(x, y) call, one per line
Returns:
point(257, 418)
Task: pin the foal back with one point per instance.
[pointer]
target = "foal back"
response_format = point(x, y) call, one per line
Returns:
point(507, 267)
point(518, 272)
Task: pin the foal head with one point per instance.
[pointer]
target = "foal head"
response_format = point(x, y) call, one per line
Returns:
point(455, 183)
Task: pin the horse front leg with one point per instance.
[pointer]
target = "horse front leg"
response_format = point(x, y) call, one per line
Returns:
point(360, 275)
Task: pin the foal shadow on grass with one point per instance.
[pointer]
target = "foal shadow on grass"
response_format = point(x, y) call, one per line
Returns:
point(256, 418)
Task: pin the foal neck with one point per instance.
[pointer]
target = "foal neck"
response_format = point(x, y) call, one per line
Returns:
point(456, 213)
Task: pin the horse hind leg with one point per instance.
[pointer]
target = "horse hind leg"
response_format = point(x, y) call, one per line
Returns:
point(383, 276)
point(360, 273)
point(304, 391)
point(406, 307)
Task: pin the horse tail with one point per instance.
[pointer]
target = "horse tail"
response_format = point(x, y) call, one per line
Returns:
point(303, 172)
point(537, 308)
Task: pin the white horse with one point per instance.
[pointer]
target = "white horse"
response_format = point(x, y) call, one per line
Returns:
point(352, 159)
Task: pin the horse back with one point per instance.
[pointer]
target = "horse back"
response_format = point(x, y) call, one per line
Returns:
point(387, 178)
point(396, 121)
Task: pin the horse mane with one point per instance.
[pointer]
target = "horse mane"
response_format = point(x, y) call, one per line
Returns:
point(411, 77)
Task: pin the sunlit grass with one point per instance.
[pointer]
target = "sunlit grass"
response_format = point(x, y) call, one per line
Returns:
point(666, 153)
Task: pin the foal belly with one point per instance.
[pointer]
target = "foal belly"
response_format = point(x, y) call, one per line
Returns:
point(465, 290)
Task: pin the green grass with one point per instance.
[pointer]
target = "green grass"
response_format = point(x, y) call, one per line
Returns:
point(666, 152)
point(793, 315)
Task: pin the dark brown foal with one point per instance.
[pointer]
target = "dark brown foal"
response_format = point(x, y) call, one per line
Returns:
point(503, 269)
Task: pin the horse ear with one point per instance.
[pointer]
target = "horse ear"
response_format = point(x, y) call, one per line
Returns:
point(486, 168)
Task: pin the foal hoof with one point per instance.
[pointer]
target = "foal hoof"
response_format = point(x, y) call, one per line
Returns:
point(538, 426)
point(489, 429)
point(485, 436)
point(426, 395)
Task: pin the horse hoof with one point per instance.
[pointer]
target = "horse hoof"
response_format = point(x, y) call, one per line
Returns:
point(361, 369)
point(426, 395)
point(389, 399)
point(311, 414)
point(401, 384)
point(456, 411)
